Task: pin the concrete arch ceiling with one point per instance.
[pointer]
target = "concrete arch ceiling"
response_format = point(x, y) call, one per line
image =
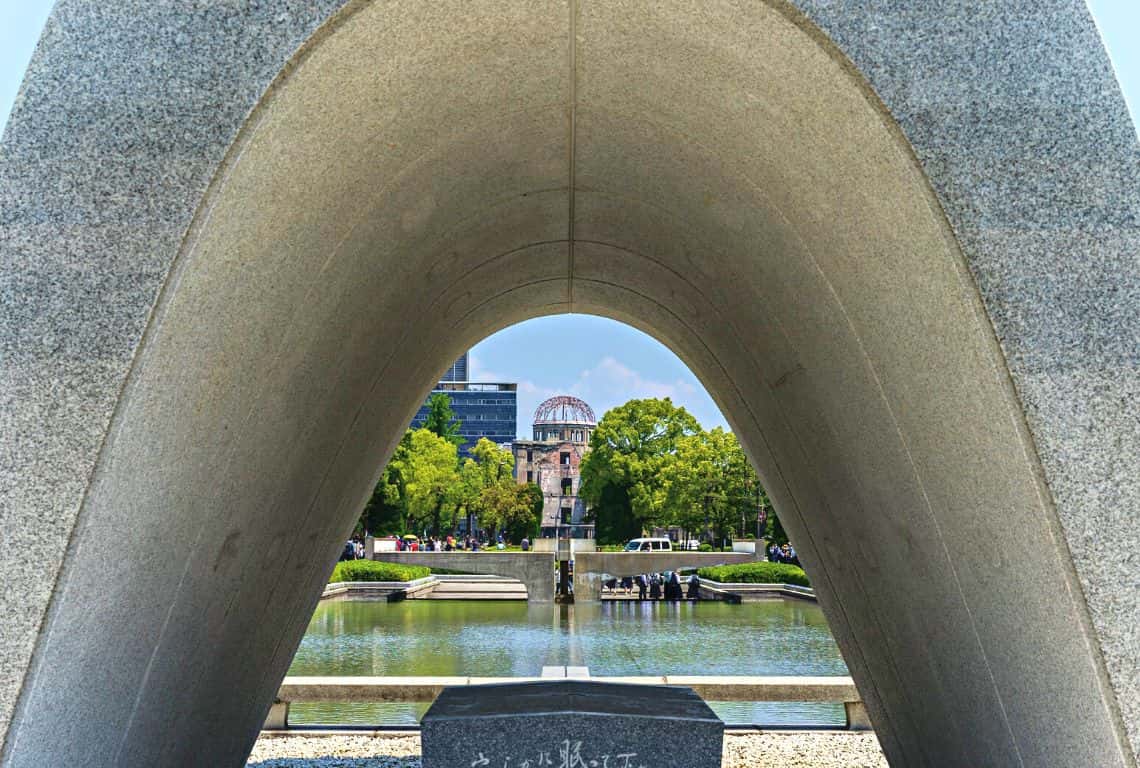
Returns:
point(222, 308)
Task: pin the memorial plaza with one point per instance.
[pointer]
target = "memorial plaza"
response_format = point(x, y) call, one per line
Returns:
point(897, 242)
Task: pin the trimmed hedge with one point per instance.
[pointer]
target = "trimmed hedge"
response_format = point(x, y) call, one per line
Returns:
point(371, 570)
point(756, 573)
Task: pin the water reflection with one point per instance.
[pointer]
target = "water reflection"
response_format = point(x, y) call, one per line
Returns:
point(493, 639)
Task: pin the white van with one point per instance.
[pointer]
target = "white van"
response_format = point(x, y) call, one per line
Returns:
point(649, 545)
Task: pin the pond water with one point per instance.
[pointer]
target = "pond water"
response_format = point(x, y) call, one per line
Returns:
point(500, 639)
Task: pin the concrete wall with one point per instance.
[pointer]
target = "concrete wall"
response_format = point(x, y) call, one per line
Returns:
point(896, 240)
point(533, 569)
point(633, 563)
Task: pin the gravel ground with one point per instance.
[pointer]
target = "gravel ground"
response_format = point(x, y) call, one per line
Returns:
point(787, 749)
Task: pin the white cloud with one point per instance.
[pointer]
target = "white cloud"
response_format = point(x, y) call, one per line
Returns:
point(476, 371)
point(611, 379)
point(604, 385)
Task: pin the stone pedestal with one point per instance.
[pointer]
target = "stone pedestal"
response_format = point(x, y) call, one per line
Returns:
point(571, 724)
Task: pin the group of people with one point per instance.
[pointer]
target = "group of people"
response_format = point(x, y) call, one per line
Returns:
point(784, 554)
point(353, 550)
point(447, 544)
point(656, 586)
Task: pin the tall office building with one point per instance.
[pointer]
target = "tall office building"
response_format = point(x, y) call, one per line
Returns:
point(483, 409)
point(457, 371)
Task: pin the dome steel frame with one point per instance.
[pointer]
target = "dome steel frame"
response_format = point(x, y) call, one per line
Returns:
point(581, 413)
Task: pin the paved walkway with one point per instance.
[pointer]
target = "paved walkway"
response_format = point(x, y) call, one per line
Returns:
point(787, 749)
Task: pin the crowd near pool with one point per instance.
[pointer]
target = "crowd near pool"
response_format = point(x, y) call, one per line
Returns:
point(502, 639)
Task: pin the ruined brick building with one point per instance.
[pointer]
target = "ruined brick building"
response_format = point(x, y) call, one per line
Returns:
point(562, 429)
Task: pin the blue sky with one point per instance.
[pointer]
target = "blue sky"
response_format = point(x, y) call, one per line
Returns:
point(609, 362)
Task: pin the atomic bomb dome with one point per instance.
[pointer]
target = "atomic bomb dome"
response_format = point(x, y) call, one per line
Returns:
point(218, 321)
point(562, 429)
point(564, 418)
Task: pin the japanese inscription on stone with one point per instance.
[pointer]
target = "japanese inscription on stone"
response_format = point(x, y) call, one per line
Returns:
point(570, 724)
point(568, 754)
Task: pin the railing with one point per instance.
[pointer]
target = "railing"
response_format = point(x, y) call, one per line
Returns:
point(295, 690)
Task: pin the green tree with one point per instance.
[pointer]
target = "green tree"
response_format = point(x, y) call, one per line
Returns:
point(494, 466)
point(386, 510)
point(430, 472)
point(531, 498)
point(612, 515)
point(495, 463)
point(465, 493)
point(621, 472)
point(774, 529)
point(510, 507)
point(421, 487)
point(441, 419)
point(534, 493)
point(708, 484)
point(383, 513)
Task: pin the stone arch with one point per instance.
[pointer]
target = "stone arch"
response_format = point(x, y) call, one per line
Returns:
point(239, 243)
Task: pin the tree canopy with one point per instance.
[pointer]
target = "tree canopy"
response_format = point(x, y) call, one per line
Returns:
point(441, 419)
point(621, 472)
point(430, 472)
point(650, 464)
point(425, 489)
point(708, 485)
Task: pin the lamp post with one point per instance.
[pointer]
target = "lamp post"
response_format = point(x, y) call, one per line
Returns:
point(761, 513)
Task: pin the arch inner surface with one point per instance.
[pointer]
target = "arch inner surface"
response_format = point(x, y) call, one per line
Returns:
point(709, 172)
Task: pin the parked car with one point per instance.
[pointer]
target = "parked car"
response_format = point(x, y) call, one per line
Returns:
point(648, 545)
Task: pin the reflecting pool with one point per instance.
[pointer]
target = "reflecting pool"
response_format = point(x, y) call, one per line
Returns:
point(501, 639)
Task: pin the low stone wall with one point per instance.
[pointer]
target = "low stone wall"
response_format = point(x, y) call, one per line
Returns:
point(377, 589)
point(709, 687)
point(534, 569)
point(398, 590)
point(746, 592)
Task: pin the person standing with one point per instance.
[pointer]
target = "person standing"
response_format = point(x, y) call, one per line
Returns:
point(694, 586)
point(641, 585)
point(655, 586)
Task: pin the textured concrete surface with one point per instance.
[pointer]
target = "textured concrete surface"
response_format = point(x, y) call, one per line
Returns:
point(896, 240)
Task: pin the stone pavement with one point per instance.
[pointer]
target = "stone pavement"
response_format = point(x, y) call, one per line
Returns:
point(788, 749)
